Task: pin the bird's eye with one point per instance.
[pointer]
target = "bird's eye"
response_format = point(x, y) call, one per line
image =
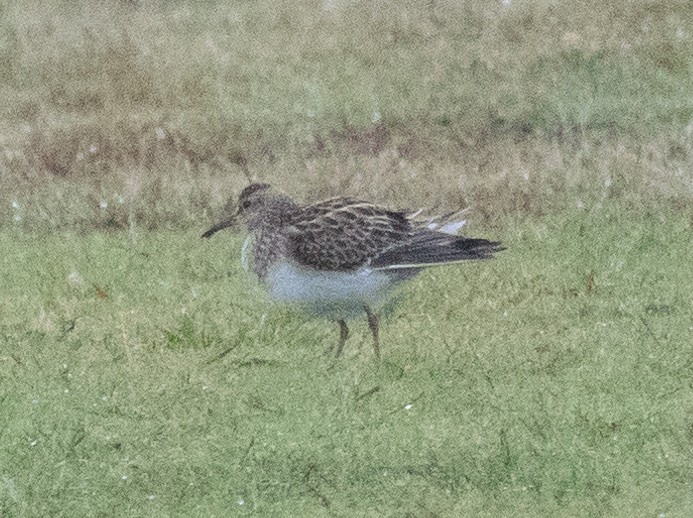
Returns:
point(245, 204)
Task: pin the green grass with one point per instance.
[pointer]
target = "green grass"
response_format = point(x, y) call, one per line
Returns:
point(554, 380)
point(141, 374)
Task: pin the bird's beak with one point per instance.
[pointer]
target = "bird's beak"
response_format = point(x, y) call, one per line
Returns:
point(229, 222)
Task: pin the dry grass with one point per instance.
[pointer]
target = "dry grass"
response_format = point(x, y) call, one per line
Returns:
point(521, 109)
point(503, 178)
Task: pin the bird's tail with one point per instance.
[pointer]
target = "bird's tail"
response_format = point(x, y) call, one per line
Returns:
point(430, 248)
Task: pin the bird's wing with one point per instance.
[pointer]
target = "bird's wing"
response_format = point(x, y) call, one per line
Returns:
point(433, 241)
point(431, 248)
point(342, 233)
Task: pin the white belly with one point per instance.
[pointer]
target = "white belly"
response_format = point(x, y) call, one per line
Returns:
point(330, 294)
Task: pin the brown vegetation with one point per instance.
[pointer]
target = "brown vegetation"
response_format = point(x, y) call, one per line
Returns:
point(154, 109)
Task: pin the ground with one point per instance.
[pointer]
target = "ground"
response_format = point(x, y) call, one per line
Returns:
point(145, 375)
point(142, 373)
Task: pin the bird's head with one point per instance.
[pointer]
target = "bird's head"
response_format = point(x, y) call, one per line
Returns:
point(257, 205)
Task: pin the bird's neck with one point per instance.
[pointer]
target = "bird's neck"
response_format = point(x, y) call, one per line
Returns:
point(275, 213)
point(267, 227)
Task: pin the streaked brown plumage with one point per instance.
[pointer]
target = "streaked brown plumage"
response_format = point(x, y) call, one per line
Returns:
point(333, 245)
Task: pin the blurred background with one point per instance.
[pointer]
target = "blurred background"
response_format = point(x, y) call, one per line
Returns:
point(152, 113)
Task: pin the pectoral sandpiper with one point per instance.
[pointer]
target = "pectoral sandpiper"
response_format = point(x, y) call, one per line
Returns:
point(341, 257)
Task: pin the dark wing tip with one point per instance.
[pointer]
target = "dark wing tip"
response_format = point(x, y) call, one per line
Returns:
point(467, 243)
point(434, 248)
point(478, 248)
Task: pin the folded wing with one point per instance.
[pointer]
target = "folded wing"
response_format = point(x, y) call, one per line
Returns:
point(344, 234)
point(430, 248)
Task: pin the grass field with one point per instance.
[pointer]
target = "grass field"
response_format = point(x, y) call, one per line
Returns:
point(144, 377)
point(154, 107)
point(141, 374)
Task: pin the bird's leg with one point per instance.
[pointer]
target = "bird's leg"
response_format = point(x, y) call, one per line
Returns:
point(373, 323)
point(343, 335)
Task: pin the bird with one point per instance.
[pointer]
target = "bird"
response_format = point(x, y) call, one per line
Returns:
point(342, 257)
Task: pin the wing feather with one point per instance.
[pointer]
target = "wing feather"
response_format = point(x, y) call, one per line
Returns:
point(431, 248)
point(342, 234)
